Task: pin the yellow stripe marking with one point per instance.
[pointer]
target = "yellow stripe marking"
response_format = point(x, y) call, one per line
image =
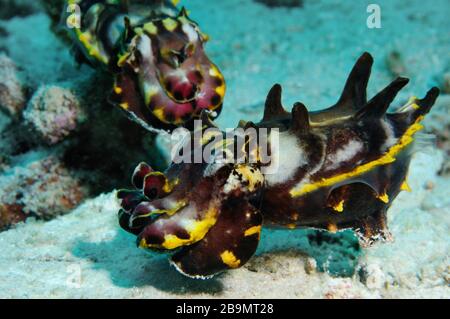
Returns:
point(197, 230)
point(92, 48)
point(143, 243)
point(169, 212)
point(339, 207)
point(205, 37)
point(214, 71)
point(405, 187)
point(384, 198)
point(151, 28)
point(254, 178)
point(123, 59)
point(159, 113)
point(230, 259)
point(221, 90)
point(170, 24)
point(387, 158)
point(124, 105)
point(117, 90)
point(253, 230)
point(150, 92)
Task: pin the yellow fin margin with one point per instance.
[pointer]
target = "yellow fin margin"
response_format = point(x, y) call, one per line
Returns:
point(230, 259)
point(387, 158)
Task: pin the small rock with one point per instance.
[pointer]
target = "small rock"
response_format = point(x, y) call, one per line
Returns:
point(12, 93)
point(310, 265)
point(429, 185)
point(53, 113)
point(372, 276)
point(44, 189)
point(10, 215)
point(446, 275)
point(265, 263)
point(340, 288)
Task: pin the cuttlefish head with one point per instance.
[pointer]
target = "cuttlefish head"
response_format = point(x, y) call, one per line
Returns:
point(201, 211)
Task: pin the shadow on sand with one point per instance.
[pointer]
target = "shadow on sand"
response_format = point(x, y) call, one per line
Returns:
point(130, 267)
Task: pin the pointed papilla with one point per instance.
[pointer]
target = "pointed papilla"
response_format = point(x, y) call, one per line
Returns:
point(378, 105)
point(183, 12)
point(300, 119)
point(273, 107)
point(128, 28)
point(428, 101)
point(354, 95)
point(410, 113)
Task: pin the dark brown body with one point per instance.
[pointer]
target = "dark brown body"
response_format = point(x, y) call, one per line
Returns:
point(334, 169)
point(362, 209)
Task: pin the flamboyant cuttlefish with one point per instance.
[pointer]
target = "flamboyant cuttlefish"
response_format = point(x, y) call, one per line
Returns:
point(163, 78)
point(333, 169)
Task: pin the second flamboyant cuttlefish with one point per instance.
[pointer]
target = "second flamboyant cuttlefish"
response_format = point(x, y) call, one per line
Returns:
point(333, 169)
point(163, 77)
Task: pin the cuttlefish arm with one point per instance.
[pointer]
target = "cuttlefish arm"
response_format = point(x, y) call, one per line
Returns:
point(208, 217)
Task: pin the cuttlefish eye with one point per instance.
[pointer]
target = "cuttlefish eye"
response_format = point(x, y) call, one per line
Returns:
point(173, 57)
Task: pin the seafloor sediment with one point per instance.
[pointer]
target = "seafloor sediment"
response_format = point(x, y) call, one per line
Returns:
point(309, 50)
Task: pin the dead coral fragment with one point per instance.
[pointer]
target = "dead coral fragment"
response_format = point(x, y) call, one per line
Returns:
point(12, 96)
point(43, 189)
point(53, 113)
point(10, 215)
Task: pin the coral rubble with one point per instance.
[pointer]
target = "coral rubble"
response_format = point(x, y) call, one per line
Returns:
point(12, 92)
point(43, 189)
point(53, 113)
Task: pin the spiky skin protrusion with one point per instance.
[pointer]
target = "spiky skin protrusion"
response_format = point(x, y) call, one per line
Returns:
point(163, 77)
point(334, 169)
point(350, 160)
